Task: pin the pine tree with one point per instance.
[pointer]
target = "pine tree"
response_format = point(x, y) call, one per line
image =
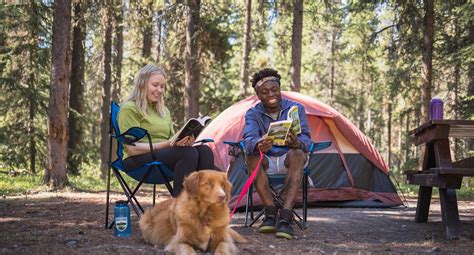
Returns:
point(76, 102)
point(55, 174)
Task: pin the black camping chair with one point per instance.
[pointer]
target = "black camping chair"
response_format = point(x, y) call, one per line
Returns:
point(275, 180)
point(152, 172)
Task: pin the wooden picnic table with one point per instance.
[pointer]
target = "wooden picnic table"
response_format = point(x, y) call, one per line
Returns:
point(439, 171)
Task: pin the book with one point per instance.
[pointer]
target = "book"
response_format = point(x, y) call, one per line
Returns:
point(279, 130)
point(295, 117)
point(193, 127)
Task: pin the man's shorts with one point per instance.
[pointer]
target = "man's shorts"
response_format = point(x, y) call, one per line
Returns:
point(276, 165)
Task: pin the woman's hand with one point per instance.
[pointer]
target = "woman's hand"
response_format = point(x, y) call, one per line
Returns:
point(265, 144)
point(187, 141)
point(292, 141)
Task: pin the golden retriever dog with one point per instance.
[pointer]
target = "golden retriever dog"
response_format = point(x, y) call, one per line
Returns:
point(197, 219)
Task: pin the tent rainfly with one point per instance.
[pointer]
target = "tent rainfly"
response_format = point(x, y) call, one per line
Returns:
point(350, 173)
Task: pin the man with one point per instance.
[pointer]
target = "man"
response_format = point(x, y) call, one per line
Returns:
point(289, 159)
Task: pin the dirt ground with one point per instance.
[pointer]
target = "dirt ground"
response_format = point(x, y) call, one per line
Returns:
point(73, 223)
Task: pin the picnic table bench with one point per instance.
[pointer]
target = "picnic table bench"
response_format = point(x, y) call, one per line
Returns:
point(439, 171)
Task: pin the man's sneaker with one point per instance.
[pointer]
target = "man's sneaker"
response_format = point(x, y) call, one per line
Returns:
point(284, 229)
point(268, 224)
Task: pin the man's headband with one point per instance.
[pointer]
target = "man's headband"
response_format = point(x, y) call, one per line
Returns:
point(268, 78)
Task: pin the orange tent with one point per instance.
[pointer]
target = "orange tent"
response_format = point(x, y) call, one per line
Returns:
point(351, 171)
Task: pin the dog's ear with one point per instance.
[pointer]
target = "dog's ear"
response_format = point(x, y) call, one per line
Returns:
point(191, 184)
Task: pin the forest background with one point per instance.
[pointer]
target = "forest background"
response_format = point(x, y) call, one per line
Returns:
point(377, 62)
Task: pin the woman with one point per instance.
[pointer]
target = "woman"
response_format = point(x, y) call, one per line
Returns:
point(145, 108)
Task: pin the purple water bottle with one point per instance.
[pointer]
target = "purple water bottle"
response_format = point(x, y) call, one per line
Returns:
point(436, 109)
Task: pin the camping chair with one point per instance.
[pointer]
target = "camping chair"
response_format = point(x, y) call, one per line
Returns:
point(152, 172)
point(238, 150)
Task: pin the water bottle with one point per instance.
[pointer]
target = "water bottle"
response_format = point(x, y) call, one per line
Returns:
point(122, 218)
point(436, 109)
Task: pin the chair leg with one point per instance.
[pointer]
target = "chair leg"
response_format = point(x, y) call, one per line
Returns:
point(257, 217)
point(167, 182)
point(247, 207)
point(305, 198)
point(278, 200)
point(128, 193)
point(107, 200)
point(154, 193)
point(251, 202)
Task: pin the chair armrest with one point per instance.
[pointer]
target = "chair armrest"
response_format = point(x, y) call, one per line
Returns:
point(205, 140)
point(132, 135)
point(318, 146)
point(235, 146)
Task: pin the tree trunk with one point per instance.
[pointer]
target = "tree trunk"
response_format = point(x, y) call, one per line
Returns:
point(147, 31)
point(118, 56)
point(296, 38)
point(32, 104)
point(31, 125)
point(470, 101)
point(407, 137)
point(76, 103)
point(399, 143)
point(389, 131)
point(159, 24)
point(361, 103)
point(427, 66)
point(104, 125)
point(55, 175)
point(456, 75)
point(333, 61)
point(244, 71)
point(191, 64)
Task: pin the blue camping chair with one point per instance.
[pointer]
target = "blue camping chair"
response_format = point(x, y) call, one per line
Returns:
point(275, 181)
point(152, 172)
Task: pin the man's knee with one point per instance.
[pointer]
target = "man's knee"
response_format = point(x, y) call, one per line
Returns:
point(295, 156)
point(252, 162)
point(296, 153)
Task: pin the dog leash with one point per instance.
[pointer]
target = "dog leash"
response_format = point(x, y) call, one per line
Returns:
point(248, 183)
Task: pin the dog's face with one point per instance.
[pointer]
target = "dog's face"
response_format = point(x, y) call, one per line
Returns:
point(208, 185)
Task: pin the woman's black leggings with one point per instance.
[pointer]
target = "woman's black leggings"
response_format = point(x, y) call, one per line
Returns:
point(183, 160)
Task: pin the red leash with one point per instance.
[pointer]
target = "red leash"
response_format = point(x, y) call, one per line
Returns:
point(248, 183)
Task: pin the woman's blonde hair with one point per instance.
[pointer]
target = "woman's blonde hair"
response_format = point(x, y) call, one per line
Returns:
point(139, 91)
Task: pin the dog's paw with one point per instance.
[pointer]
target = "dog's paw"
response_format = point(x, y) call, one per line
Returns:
point(226, 248)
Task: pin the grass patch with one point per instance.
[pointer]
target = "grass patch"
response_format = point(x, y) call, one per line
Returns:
point(89, 181)
point(465, 193)
point(15, 185)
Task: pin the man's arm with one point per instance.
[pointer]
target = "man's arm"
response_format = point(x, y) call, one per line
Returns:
point(252, 135)
point(305, 136)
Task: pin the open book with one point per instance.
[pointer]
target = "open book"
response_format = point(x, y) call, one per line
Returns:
point(193, 127)
point(279, 130)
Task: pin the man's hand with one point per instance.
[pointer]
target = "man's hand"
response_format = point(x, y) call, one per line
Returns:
point(187, 141)
point(265, 144)
point(292, 141)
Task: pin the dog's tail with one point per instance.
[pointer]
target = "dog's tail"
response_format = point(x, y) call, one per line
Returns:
point(236, 236)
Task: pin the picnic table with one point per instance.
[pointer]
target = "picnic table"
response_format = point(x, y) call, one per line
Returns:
point(439, 171)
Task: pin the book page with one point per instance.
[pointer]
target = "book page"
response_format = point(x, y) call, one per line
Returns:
point(278, 131)
point(295, 118)
point(192, 128)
